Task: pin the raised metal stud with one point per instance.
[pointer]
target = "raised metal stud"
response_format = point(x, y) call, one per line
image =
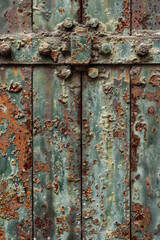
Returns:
point(5, 50)
point(45, 49)
point(68, 23)
point(93, 22)
point(93, 72)
point(64, 72)
point(106, 48)
point(142, 50)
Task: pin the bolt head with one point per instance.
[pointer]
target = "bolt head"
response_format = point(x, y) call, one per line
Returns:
point(93, 22)
point(142, 50)
point(5, 50)
point(68, 23)
point(44, 49)
point(106, 48)
point(93, 72)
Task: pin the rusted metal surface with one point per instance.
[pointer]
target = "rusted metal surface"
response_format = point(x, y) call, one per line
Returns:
point(57, 155)
point(145, 16)
point(114, 14)
point(86, 166)
point(15, 16)
point(80, 46)
point(15, 153)
point(145, 152)
point(89, 48)
point(106, 168)
point(47, 14)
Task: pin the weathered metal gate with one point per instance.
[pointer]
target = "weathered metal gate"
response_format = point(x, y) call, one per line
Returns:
point(79, 119)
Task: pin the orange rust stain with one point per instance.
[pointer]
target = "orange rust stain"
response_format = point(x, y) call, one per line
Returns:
point(22, 142)
point(40, 166)
point(2, 234)
point(148, 183)
point(155, 80)
point(119, 133)
point(8, 209)
point(124, 23)
point(61, 10)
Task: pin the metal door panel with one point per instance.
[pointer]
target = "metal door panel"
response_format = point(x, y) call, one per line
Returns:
point(57, 154)
point(145, 152)
point(114, 14)
point(106, 167)
point(15, 153)
point(15, 16)
point(47, 14)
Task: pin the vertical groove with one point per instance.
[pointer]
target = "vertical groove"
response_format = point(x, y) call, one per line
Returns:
point(130, 148)
point(81, 158)
point(32, 15)
point(130, 129)
point(81, 20)
point(32, 157)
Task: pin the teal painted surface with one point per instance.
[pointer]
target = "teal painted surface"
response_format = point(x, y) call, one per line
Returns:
point(114, 14)
point(57, 158)
point(106, 170)
point(15, 16)
point(47, 14)
point(80, 48)
point(15, 153)
point(87, 47)
point(145, 152)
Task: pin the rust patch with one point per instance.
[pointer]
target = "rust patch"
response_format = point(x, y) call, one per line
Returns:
point(124, 23)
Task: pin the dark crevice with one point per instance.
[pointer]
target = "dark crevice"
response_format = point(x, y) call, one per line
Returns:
point(130, 146)
point(32, 156)
point(32, 16)
point(81, 158)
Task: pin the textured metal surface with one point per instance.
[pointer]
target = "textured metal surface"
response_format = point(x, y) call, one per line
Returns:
point(15, 153)
point(145, 152)
point(114, 14)
point(15, 16)
point(47, 14)
point(25, 49)
point(57, 155)
point(81, 47)
point(145, 16)
point(105, 170)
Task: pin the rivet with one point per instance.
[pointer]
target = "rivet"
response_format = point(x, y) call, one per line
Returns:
point(93, 72)
point(106, 48)
point(68, 23)
point(44, 49)
point(5, 50)
point(142, 50)
point(93, 22)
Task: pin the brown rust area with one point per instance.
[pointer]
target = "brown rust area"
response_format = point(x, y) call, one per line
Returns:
point(124, 21)
point(2, 233)
point(17, 135)
point(18, 17)
point(141, 218)
point(45, 224)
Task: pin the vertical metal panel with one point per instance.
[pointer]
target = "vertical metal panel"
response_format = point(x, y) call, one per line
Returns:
point(145, 152)
point(106, 124)
point(57, 153)
point(145, 15)
point(115, 14)
point(15, 16)
point(47, 14)
point(15, 153)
